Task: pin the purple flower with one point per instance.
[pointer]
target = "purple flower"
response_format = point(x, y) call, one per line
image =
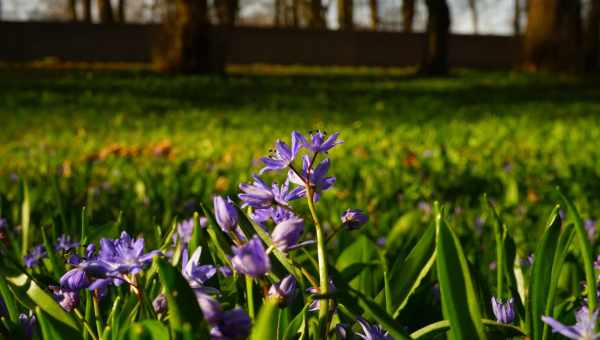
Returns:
point(341, 331)
point(318, 143)
point(28, 324)
point(372, 332)
point(234, 324)
point(35, 255)
point(251, 258)
point(277, 214)
point(3, 311)
point(583, 329)
point(194, 273)
point(225, 213)
point(257, 195)
point(68, 299)
point(284, 290)
point(211, 309)
point(590, 227)
point(3, 224)
point(160, 304)
point(74, 279)
point(503, 311)
point(185, 229)
point(424, 207)
point(316, 178)
point(283, 155)
point(314, 306)
point(354, 219)
point(287, 233)
point(65, 243)
point(124, 255)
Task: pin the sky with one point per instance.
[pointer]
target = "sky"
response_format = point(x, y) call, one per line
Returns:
point(495, 16)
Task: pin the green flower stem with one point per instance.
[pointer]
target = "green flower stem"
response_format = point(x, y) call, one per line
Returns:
point(86, 325)
point(323, 274)
point(97, 315)
point(250, 293)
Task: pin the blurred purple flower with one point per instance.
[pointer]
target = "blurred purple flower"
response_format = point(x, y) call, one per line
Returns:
point(211, 309)
point(35, 255)
point(424, 207)
point(287, 233)
point(277, 214)
point(341, 331)
point(68, 299)
point(64, 243)
point(233, 324)
point(314, 306)
point(317, 142)
point(503, 311)
point(590, 227)
point(583, 329)
point(251, 258)
point(74, 279)
point(3, 311)
point(380, 242)
point(185, 229)
point(284, 290)
point(159, 304)
point(225, 213)
point(28, 324)
point(283, 155)
point(257, 195)
point(372, 332)
point(354, 219)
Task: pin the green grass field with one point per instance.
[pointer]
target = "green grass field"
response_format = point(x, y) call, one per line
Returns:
point(141, 150)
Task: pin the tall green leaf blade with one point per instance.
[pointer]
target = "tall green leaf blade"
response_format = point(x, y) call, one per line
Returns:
point(146, 330)
point(586, 251)
point(266, 322)
point(183, 307)
point(542, 273)
point(459, 299)
point(25, 218)
point(53, 329)
point(507, 331)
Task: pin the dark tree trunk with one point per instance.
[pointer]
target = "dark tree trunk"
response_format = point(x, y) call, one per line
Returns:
point(277, 13)
point(87, 10)
point(435, 60)
point(408, 15)
point(474, 15)
point(105, 12)
point(374, 7)
point(295, 14)
point(554, 36)
point(73, 10)
point(185, 45)
point(121, 10)
point(345, 14)
point(227, 11)
point(517, 18)
point(592, 37)
point(316, 14)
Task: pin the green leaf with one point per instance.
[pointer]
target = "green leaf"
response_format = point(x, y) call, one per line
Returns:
point(459, 299)
point(146, 330)
point(183, 306)
point(297, 325)
point(541, 276)
point(361, 251)
point(266, 323)
point(32, 295)
point(53, 329)
point(407, 274)
point(25, 217)
point(507, 331)
point(586, 251)
point(9, 301)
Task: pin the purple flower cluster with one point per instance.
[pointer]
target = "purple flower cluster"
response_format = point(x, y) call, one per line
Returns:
point(583, 329)
point(372, 332)
point(35, 255)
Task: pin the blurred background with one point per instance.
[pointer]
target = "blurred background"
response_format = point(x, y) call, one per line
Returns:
point(141, 110)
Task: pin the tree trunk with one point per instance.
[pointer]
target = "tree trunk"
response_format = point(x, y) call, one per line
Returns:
point(408, 15)
point(316, 15)
point(517, 18)
point(185, 45)
point(554, 35)
point(435, 60)
point(295, 14)
point(374, 11)
point(73, 10)
point(345, 14)
point(277, 13)
point(87, 10)
point(105, 11)
point(592, 36)
point(227, 12)
point(474, 15)
point(121, 10)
